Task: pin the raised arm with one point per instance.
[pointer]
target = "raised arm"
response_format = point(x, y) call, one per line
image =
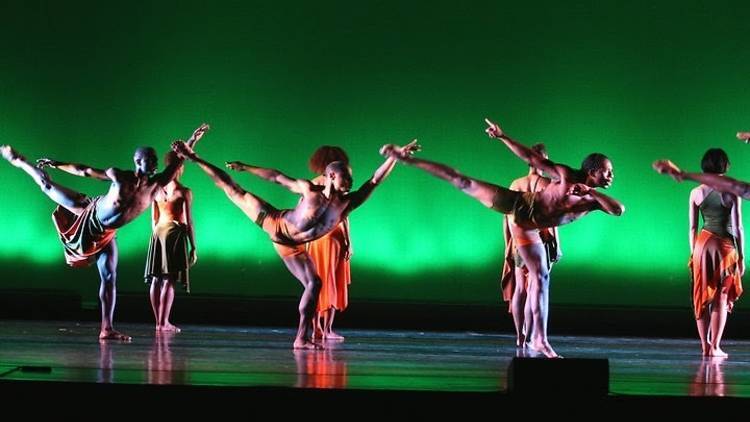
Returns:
point(533, 158)
point(81, 170)
point(717, 181)
point(197, 134)
point(169, 172)
point(272, 175)
point(393, 153)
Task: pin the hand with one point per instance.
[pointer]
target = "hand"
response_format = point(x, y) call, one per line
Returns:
point(198, 133)
point(669, 168)
point(234, 165)
point(395, 151)
point(348, 252)
point(46, 162)
point(579, 189)
point(193, 256)
point(744, 137)
point(183, 150)
point(494, 131)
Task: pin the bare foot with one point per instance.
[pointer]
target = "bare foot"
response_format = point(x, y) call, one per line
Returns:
point(520, 340)
point(716, 352)
point(113, 335)
point(333, 336)
point(543, 348)
point(318, 334)
point(306, 344)
point(168, 327)
point(9, 153)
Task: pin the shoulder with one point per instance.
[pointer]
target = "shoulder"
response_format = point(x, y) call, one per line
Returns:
point(118, 174)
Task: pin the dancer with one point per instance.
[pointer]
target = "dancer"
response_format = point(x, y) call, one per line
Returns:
point(717, 250)
point(87, 225)
point(320, 210)
point(172, 248)
point(330, 254)
point(514, 279)
point(571, 195)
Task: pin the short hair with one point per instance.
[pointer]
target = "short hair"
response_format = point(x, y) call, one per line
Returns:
point(145, 151)
point(593, 161)
point(324, 156)
point(715, 160)
point(337, 166)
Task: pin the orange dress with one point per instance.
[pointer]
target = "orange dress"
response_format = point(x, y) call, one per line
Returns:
point(328, 255)
point(714, 265)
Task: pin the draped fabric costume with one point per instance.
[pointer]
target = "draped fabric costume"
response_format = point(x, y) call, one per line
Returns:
point(168, 254)
point(83, 236)
point(328, 255)
point(714, 262)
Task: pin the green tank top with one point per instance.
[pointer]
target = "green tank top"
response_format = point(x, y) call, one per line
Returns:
point(716, 215)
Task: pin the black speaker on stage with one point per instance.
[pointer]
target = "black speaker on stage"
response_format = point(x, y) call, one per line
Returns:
point(559, 376)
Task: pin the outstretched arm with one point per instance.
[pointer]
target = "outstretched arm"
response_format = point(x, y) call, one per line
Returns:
point(81, 170)
point(393, 153)
point(197, 134)
point(533, 158)
point(275, 176)
point(603, 202)
point(717, 181)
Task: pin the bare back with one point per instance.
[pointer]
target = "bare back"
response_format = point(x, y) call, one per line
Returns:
point(316, 214)
point(555, 205)
point(171, 203)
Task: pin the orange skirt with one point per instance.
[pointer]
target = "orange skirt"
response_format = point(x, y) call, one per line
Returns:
point(714, 267)
point(327, 253)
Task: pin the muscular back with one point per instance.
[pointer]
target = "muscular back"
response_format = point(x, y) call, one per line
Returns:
point(316, 214)
point(555, 205)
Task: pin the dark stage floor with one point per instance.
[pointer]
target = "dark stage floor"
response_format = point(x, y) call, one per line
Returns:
point(259, 360)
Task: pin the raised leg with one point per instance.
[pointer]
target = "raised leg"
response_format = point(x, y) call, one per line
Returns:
point(68, 198)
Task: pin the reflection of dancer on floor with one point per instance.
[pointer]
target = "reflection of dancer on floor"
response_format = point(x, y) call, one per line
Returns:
point(571, 195)
point(320, 369)
point(320, 210)
point(330, 254)
point(717, 251)
point(514, 281)
point(171, 250)
point(87, 225)
point(709, 379)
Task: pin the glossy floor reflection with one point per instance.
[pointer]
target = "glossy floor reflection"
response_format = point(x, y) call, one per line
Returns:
point(367, 360)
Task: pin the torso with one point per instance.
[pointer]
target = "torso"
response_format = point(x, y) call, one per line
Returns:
point(170, 202)
point(554, 206)
point(128, 196)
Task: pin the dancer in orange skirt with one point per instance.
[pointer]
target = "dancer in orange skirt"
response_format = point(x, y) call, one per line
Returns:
point(330, 254)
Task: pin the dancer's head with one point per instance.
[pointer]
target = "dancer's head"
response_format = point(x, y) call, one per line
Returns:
point(598, 169)
point(716, 161)
point(145, 160)
point(339, 175)
point(324, 156)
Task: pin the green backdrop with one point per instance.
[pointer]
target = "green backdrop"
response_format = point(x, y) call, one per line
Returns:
point(89, 82)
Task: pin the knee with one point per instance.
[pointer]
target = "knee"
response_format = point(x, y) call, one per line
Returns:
point(462, 182)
